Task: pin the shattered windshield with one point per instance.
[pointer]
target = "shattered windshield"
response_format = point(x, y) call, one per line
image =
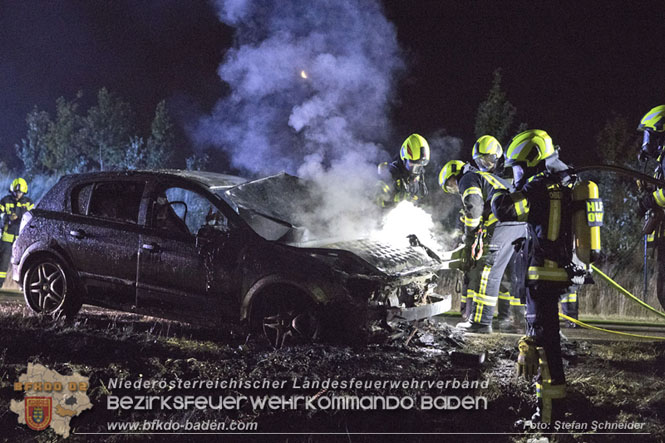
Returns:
point(273, 206)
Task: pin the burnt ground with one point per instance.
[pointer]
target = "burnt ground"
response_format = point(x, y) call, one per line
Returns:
point(615, 382)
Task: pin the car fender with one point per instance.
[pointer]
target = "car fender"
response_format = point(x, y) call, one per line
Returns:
point(43, 246)
point(315, 292)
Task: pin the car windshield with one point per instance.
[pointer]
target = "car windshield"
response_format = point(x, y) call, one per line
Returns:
point(273, 206)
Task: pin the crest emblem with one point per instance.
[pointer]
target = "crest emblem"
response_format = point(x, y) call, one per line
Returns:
point(38, 412)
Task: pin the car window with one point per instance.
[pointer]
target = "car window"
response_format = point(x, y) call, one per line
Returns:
point(116, 200)
point(81, 198)
point(192, 209)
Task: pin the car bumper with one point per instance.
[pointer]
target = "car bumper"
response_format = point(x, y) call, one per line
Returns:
point(440, 305)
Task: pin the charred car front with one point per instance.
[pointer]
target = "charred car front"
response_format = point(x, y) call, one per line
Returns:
point(202, 246)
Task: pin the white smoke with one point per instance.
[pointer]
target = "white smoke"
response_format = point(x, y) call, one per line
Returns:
point(311, 85)
point(275, 119)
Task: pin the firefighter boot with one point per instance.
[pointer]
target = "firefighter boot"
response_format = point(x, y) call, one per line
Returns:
point(476, 328)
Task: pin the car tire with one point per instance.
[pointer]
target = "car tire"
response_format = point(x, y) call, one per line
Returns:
point(49, 290)
point(286, 319)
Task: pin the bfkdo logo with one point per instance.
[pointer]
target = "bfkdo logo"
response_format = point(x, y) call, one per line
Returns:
point(38, 412)
point(50, 399)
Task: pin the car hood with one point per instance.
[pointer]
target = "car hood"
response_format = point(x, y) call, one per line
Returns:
point(388, 258)
point(273, 207)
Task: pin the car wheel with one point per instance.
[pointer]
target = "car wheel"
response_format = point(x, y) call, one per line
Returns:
point(48, 290)
point(287, 320)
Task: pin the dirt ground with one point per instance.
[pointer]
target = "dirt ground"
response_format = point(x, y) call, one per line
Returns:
point(618, 383)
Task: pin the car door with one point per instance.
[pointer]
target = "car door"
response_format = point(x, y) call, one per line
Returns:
point(103, 238)
point(172, 272)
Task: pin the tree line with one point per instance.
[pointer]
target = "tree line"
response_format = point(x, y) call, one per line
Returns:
point(103, 137)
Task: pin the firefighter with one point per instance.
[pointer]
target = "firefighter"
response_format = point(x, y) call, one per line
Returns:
point(487, 246)
point(543, 198)
point(404, 177)
point(487, 153)
point(569, 305)
point(12, 208)
point(652, 203)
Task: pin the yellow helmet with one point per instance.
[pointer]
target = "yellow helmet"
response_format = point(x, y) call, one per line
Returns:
point(529, 148)
point(415, 153)
point(486, 152)
point(487, 145)
point(19, 185)
point(654, 120)
point(451, 169)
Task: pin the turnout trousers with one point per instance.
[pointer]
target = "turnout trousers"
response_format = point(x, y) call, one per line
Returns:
point(485, 279)
point(542, 317)
point(5, 257)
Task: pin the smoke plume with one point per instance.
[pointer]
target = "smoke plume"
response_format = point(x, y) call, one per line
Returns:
point(311, 83)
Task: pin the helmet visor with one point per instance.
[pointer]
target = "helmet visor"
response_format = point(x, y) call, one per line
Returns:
point(486, 162)
point(414, 167)
point(451, 186)
point(651, 144)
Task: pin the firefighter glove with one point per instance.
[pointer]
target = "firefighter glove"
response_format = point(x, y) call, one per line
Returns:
point(527, 360)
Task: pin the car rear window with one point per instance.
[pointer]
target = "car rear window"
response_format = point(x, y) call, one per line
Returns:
point(115, 200)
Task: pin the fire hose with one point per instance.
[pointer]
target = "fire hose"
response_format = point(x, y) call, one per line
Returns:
point(645, 178)
point(627, 294)
point(621, 171)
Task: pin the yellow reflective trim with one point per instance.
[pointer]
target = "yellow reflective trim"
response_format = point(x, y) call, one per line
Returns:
point(505, 296)
point(7, 237)
point(659, 197)
point(521, 205)
point(491, 301)
point(484, 277)
point(479, 312)
point(496, 184)
point(491, 220)
point(550, 264)
point(516, 302)
point(570, 298)
point(554, 223)
point(551, 274)
point(2, 208)
point(3, 274)
point(473, 190)
point(472, 222)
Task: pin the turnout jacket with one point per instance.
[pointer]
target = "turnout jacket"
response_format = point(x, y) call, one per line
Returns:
point(8, 206)
point(545, 203)
point(398, 184)
point(477, 189)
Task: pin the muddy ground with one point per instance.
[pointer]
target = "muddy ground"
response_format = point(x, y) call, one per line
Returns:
point(620, 382)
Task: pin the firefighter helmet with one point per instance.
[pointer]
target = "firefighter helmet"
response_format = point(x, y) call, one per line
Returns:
point(486, 152)
point(415, 153)
point(653, 120)
point(19, 185)
point(451, 169)
point(529, 148)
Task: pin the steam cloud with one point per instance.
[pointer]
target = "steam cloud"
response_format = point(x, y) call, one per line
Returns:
point(274, 119)
point(310, 89)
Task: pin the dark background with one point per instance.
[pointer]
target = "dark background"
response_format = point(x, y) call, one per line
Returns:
point(567, 66)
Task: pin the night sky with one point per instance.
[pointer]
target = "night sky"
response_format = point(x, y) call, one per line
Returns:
point(567, 66)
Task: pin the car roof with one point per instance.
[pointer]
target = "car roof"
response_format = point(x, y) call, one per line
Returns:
point(207, 179)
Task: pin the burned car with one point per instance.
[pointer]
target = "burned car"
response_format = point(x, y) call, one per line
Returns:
point(204, 246)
